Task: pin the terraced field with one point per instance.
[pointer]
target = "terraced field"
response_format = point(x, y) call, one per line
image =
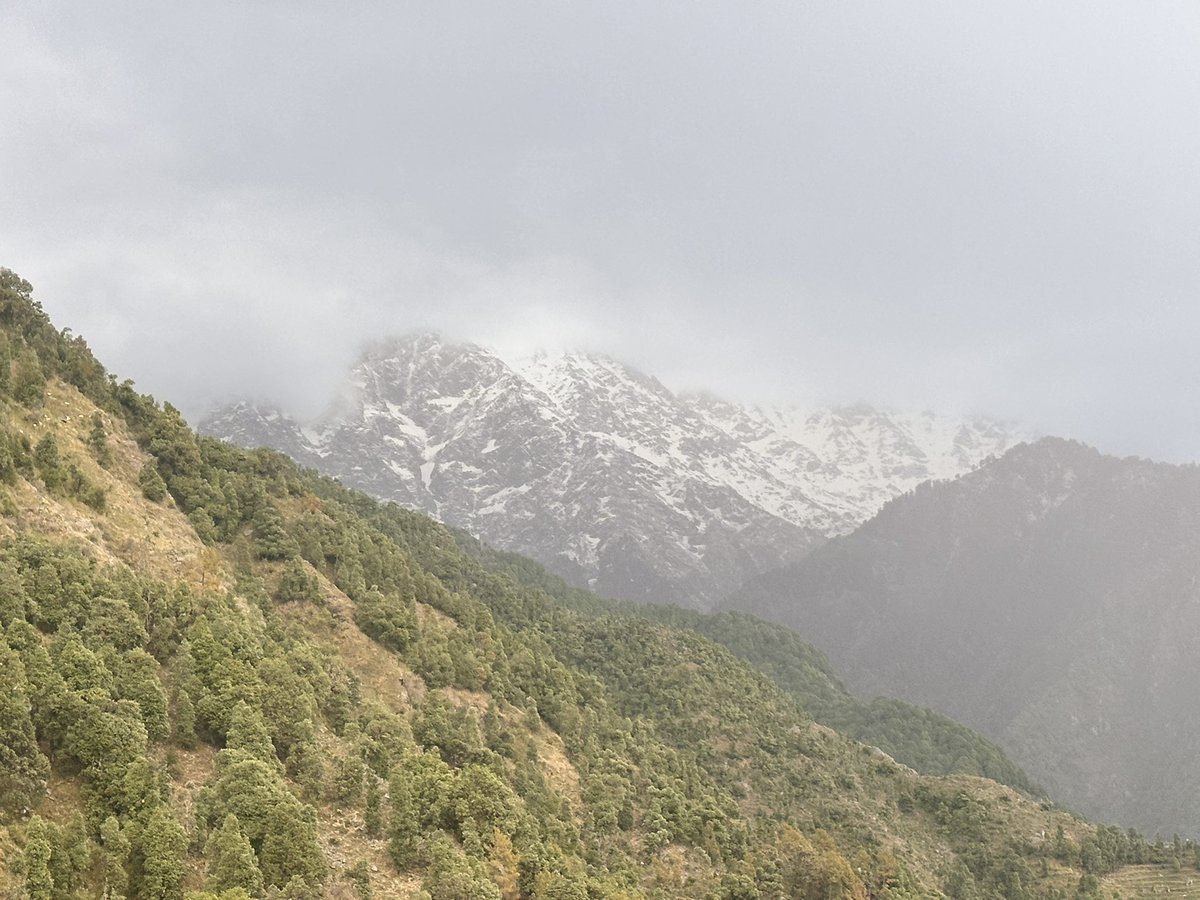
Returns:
point(1138, 882)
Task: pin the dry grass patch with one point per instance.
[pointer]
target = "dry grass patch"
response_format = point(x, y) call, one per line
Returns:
point(64, 798)
point(427, 614)
point(382, 675)
point(476, 700)
point(191, 771)
point(560, 772)
point(344, 842)
point(151, 538)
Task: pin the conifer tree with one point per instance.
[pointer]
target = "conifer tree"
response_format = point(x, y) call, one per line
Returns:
point(5, 367)
point(8, 464)
point(231, 859)
point(347, 783)
point(405, 826)
point(452, 876)
point(296, 585)
point(248, 733)
point(151, 482)
point(290, 851)
point(163, 845)
point(114, 850)
point(97, 441)
point(304, 767)
point(360, 877)
point(250, 789)
point(28, 380)
point(82, 669)
point(287, 703)
point(69, 861)
point(39, 884)
point(203, 524)
point(49, 463)
point(14, 601)
point(271, 540)
point(185, 719)
point(388, 619)
point(138, 681)
point(373, 813)
point(173, 444)
point(23, 768)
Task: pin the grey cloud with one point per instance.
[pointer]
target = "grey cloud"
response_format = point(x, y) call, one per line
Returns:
point(963, 205)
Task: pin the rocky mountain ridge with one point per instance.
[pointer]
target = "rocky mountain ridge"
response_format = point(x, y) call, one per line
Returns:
point(602, 473)
point(1048, 599)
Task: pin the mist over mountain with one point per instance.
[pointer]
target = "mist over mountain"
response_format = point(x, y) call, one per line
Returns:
point(603, 474)
point(1050, 599)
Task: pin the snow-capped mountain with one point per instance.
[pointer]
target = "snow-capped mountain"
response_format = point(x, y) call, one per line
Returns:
point(602, 473)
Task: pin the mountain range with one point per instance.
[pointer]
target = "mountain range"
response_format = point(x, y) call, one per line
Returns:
point(1050, 599)
point(1042, 593)
point(604, 475)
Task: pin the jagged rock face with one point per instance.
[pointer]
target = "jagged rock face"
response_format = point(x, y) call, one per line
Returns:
point(603, 474)
point(1048, 599)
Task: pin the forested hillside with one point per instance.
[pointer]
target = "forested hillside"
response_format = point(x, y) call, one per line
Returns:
point(228, 677)
point(920, 738)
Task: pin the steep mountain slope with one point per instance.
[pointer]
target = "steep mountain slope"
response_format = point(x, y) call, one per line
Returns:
point(227, 677)
point(603, 474)
point(919, 738)
point(1050, 600)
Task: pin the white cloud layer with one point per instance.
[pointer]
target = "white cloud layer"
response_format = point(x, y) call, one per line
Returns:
point(962, 205)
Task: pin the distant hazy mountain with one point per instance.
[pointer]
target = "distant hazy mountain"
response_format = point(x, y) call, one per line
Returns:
point(603, 474)
point(1050, 600)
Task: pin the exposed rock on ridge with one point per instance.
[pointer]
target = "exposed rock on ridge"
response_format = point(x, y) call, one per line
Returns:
point(602, 473)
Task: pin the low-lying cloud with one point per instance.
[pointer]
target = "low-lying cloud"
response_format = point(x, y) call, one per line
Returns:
point(958, 205)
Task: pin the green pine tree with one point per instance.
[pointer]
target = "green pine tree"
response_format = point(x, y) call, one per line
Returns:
point(114, 850)
point(97, 441)
point(290, 851)
point(163, 846)
point(49, 463)
point(39, 884)
point(185, 719)
point(248, 732)
point(271, 540)
point(23, 768)
point(296, 585)
point(28, 380)
point(231, 859)
point(405, 827)
point(373, 813)
point(151, 482)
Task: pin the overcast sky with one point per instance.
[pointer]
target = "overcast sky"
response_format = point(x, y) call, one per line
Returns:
point(965, 206)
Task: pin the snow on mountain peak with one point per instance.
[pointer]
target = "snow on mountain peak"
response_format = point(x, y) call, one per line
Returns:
point(605, 475)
